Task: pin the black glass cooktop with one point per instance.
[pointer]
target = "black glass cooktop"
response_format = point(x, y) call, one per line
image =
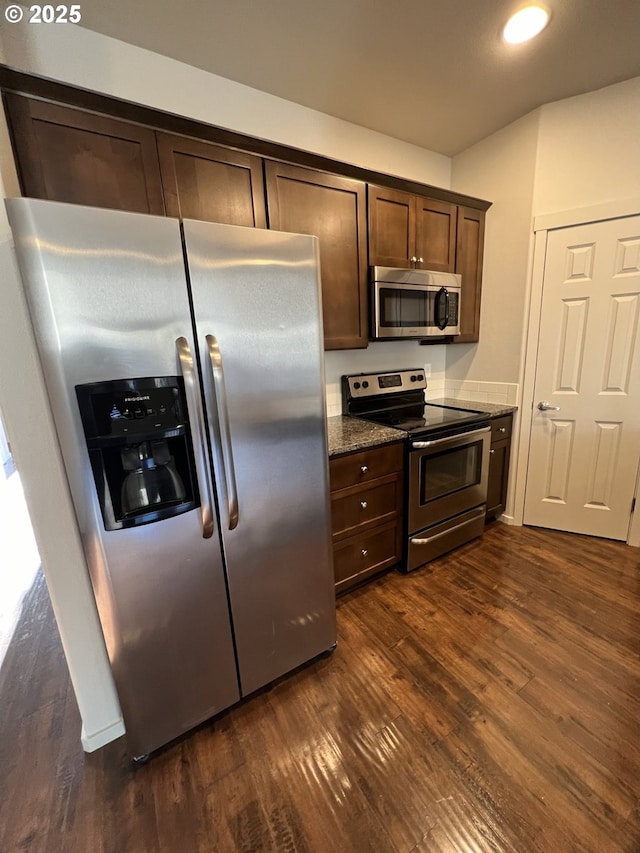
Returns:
point(427, 418)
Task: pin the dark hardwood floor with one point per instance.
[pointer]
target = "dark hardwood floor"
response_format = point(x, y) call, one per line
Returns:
point(489, 703)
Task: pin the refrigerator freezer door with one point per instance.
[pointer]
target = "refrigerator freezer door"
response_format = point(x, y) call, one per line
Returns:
point(108, 300)
point(257, 310)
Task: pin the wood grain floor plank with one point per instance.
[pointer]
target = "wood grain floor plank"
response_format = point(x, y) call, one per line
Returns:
point(489, 702)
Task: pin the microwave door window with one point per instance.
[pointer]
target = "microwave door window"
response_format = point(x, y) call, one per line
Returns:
point(403, 308)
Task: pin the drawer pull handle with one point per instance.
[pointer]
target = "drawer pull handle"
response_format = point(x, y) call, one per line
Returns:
point(363, 504)
point(364, 552)
point(502, 429)
point(364, 468)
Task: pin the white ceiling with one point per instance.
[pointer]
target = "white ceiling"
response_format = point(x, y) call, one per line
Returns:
point(431, 72)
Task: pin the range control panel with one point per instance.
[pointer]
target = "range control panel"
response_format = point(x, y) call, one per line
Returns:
point(374, 384)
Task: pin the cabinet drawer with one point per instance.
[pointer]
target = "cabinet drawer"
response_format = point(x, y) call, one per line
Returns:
point(358, 557)
point(364, 506)
point(501, 427)
point(365, 465)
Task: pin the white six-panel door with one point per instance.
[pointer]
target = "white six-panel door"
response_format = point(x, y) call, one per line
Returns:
point(583, 456)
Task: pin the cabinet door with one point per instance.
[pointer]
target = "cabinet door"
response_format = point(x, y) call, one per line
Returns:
point(435, 234)
point(498, 477)
point(65, 154)
point(392, 240)
point(469, 255)
point(211, 182)
point(333, 209)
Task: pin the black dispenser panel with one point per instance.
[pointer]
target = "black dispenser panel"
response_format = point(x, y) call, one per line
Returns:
point(139, 443)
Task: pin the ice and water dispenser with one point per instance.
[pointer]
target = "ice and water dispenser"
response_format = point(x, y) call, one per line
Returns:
point(137, 434)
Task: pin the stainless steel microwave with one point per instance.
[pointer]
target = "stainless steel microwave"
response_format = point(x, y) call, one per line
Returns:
point(414, 303)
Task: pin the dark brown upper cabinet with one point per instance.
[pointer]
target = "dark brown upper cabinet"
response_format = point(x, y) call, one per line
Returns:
point(64, 154)
point(209, 182)
point(435, 234)
point(411, 231)
point(334, 210)
point(469, 255)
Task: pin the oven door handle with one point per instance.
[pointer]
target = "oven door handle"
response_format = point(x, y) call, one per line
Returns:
point(441, 442)
point(427, 540)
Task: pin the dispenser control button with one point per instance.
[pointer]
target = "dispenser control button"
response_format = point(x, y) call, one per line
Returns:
point(139, 412)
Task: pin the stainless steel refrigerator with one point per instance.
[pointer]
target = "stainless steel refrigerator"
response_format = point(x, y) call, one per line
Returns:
point(183, 363)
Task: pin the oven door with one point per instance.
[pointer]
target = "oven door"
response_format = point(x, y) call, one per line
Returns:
point(447, 476)
point(414, 311)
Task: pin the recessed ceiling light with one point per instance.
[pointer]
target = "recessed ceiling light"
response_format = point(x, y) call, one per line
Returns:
point(525, 24)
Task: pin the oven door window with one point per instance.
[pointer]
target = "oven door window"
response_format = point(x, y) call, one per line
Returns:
point(450, 471)
point(401, 308)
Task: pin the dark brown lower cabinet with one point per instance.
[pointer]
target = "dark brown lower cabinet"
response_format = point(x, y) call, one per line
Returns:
point(366, 512)
point(500, 454)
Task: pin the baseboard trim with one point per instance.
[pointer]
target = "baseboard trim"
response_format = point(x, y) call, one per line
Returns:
point(96, 740)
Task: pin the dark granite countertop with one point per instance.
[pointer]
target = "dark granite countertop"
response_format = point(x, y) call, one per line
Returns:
point(348, 434)
point(493, 409)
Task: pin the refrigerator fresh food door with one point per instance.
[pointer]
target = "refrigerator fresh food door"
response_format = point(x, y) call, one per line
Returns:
point(258, 319)
point(108, 300)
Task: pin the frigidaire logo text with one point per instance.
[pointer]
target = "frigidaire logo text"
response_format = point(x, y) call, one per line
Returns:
point(136, 399)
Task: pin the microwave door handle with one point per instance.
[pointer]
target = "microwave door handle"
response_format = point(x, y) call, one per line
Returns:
point(226, 456)
point(442, 324)
point(196, 421)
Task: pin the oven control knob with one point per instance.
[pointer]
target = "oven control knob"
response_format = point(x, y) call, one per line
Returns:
point(414, 378)
point(356, 385)
point(420, 377)
point(365, 384)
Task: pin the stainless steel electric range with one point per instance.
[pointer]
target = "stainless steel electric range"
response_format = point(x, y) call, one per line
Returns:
point(447, 459)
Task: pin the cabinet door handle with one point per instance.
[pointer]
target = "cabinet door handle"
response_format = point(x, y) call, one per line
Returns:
point(491, 452)
point(413, 259)
point(364, 552)
point(364, 468)
point(420, 260)
point(363, 504)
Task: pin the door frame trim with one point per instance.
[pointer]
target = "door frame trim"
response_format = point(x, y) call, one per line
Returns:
point(542, 225)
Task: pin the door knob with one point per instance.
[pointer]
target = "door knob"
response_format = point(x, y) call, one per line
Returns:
point(545, 406)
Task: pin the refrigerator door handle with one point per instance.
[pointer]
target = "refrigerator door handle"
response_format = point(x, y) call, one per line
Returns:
point(217, 376)
point(192, 394)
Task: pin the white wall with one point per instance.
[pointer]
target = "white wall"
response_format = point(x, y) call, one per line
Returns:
point(501, 169)
point(589, 149)
point(82, 58)
point(570, 154)
point(79, 57)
